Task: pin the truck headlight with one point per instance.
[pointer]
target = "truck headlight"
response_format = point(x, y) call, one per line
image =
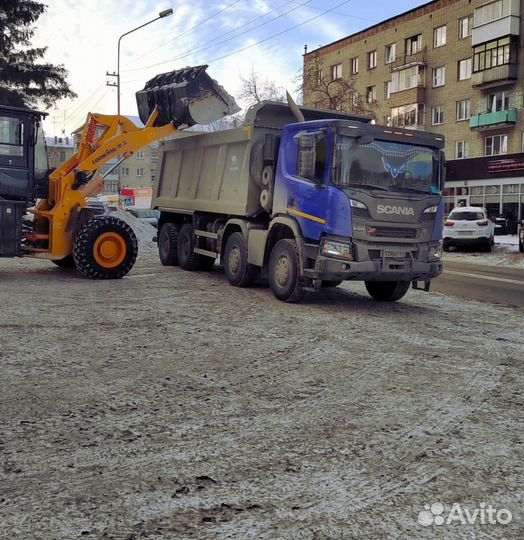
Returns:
point(334, 248)
point(435, 253)
point(431, 210)
point(357, 204)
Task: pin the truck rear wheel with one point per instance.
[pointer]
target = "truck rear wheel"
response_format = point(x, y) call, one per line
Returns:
point(167, 244)
point(284, 272)
point(238, 271)
point(105, 248)
point(387, 291)
point(187, 258)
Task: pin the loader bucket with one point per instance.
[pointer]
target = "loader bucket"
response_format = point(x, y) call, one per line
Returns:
point(185, 97)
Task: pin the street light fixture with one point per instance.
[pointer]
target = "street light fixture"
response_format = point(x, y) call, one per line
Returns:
point(161, 15)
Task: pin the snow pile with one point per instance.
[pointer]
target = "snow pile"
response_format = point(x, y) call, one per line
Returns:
point(143, 230)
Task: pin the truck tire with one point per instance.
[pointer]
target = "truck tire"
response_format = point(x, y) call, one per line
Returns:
point(238, 271)
point(167, 244)
point(387, 291)
point(105, 248)
point(284, 272)
point(66, 263)
point(187, 258)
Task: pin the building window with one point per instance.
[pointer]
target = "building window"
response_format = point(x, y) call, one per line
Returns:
point(465, 25)
point(140, 171)
point(491, 12)
point(371, 94)
point(62, 156)
point(336, 72)
point(437, 115)
point(439, 76)
point(498, 101)
point(387, 89)
point(408, 115)
point(125, 171)
point(319, 77)
point(498, 144)
point(462, 150)
point(464, 69)
point(439, 36)
point(405, 79)
point(390, 53)
point(413, 44)
point(372, 59)
point(463, 109)
point(140, 154)
point(353, 98)
point(495, 53)
point(354, 66)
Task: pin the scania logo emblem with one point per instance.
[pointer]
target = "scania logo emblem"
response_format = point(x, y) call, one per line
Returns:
point(397, 210)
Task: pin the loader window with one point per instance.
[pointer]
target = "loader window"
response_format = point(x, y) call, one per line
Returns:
point(11, 136)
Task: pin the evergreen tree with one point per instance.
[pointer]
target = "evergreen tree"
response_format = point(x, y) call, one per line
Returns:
point(24, 81)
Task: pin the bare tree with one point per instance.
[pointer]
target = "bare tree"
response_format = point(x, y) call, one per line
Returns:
point(327, 90)
point(255, 89)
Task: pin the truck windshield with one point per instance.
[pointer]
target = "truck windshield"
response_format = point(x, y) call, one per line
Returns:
point(385, 165)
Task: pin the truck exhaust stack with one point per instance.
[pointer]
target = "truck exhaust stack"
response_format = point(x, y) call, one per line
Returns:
point(185, 97)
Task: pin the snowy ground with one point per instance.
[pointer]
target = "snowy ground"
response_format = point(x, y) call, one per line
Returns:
point(505, 253)
point(169, 405)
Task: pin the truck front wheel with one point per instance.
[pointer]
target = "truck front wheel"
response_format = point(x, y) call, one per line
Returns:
point(387, 291)
point(167, 244)
point(284, 272)
point(238, 272)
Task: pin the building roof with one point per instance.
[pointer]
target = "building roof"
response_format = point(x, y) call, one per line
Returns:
point(406, 16)
point(60, 142)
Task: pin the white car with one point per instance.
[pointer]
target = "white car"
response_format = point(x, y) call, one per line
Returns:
point(468, 225)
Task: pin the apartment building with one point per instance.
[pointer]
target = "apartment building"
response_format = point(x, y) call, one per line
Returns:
point(59, 150)
point(454, 67)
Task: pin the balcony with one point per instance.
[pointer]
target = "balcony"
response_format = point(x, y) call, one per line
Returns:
point(405, 97)
point(407, 60)
point(495, 76)
point(493, 120)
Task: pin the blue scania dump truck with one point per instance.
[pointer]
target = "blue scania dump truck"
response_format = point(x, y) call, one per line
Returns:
point(307, 197)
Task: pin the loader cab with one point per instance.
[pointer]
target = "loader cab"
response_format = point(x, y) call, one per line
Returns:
point(23, 160)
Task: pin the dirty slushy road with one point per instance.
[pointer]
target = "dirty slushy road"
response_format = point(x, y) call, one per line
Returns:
point(169, 405)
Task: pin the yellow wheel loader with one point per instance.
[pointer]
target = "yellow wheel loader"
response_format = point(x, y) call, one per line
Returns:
point(44, 214)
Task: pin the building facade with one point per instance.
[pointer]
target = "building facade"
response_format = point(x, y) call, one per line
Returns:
point(59, 150)
point(454, 67)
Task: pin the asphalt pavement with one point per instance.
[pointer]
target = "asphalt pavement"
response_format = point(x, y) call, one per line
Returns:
point(494, 284)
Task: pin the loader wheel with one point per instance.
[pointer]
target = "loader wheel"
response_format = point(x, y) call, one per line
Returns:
point(284, 273)
point(67, 262)
point(167, 244)
point(387, 291)
point(238, 271)
point(105, 248)
point(187, 259)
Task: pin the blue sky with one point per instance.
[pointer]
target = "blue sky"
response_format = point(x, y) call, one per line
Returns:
point(234, 36)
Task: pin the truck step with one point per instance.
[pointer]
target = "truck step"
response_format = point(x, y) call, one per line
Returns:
point(206, 253)
point(206, 234)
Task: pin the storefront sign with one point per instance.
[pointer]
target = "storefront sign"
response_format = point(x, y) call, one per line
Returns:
point(499, 165)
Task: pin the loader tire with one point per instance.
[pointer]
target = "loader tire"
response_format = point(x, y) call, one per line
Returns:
point(105, 248)
point(387, 291)
point(167, 244)
point(66, 263)
point(187, 258)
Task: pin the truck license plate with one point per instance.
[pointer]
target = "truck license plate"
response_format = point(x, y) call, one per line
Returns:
point(394, 254)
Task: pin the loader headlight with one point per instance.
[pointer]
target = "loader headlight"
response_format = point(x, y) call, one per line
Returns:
point(334, 248)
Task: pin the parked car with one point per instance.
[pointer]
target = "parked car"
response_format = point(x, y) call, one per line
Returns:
point(147, 214)
point(468, 225)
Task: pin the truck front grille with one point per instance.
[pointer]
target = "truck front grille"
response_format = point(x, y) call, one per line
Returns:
point(391, 232)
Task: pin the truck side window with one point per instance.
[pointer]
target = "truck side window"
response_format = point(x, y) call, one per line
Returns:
point(11, 136)
point(313, 153)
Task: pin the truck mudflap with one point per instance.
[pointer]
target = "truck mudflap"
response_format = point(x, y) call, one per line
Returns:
point(185, 97)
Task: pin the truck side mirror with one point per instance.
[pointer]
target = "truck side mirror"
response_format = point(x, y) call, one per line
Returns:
point(442, 176)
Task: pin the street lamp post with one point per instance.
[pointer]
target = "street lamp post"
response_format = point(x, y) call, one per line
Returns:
point(161, 15)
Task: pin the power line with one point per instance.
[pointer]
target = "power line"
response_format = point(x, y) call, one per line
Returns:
point(196, 51)
point(186, 31)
